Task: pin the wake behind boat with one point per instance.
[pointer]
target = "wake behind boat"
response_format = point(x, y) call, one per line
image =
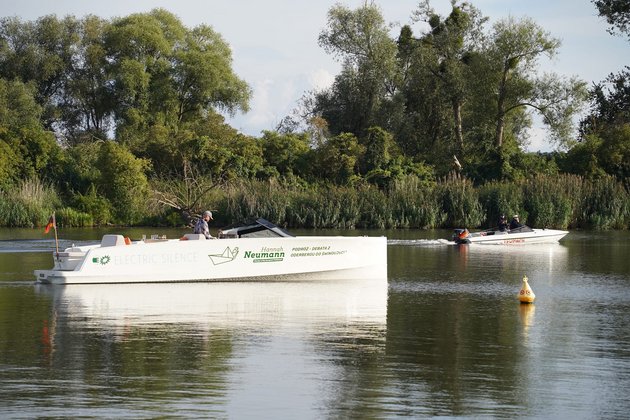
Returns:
point(255, 251)
point(523, 234)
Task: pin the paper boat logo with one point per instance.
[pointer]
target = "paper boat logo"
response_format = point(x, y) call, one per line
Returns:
point(225, 257)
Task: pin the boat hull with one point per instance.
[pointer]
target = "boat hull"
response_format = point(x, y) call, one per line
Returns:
point(503, 238)
point(244, 259)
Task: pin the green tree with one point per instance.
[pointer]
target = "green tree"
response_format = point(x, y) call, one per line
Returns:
point(617, 14)
point(29, 149)
point(379, 145)
point(8, 165)
point(516, 46)
point(360, 39)
point(167, 74)
point(337, 159)
point(286, 153)
point(426, 119)
point(122, 179)
point(88, 106)
point(42, 53)
point(447, 48)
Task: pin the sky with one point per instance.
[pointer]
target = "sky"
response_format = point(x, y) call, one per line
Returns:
point(275, 50)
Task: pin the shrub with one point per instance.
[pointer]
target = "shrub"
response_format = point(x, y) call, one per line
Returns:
point(123, 181)
point(96, 206)
point(69, 217)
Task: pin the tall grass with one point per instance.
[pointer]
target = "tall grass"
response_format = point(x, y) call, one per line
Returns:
point(69, 217)
point(501, 198)
point(460, 201)
point(542, 201)
point(414, 204)
point(409, 203)
point(605, 204)
point(551, 201)
point(375, 209)
point(30, 204)
point(246, 199)
point(558, 201)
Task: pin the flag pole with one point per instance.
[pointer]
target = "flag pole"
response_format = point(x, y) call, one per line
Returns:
point(56, 239)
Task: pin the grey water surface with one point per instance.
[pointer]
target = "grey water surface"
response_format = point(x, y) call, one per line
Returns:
point(444, 336)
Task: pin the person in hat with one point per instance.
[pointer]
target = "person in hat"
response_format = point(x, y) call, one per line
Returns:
point(202, 225)
point(515, 223)
point(503, 223)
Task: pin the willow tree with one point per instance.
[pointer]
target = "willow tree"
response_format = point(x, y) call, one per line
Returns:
point(87, 111)
point(41, 53)
point(447, 48)
point(360, 40)
point(514, 50)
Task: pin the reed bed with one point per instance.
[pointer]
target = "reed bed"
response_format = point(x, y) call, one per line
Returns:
point(500, 198)
point(561, 201)
point(558, 201)
point(460, 201)
point(29, 204)
point(605, 204)
point(551, 201)
point(414, 204)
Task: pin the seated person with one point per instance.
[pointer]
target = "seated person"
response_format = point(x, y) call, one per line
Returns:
point(503, 224)
point(202, 225)
point(515, 223)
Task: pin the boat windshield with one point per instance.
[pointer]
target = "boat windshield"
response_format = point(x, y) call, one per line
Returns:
point(259, 228)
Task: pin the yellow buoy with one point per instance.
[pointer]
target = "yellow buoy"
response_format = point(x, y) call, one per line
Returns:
point(526, 295)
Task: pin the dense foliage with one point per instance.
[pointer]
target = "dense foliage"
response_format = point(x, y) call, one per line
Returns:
point(120, 121)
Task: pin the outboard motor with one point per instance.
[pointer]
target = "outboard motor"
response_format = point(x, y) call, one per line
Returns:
point(461, 236)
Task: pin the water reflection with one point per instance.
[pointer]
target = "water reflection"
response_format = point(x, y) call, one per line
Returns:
point(526, 315)
point(160, 349)
point(549, 256)
point(301, 308)
point(446, 337)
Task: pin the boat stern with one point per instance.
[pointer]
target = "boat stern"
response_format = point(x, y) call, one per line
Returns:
point(65, 262)
point(47, 276)
point(461, 236)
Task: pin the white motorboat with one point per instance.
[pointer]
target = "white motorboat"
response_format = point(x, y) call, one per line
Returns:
point(255, 251)
point(521, 235)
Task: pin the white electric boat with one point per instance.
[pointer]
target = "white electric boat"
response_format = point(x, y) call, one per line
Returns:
point(521, 235)
point(255, 251)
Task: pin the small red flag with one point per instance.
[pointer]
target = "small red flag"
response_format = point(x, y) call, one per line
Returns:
point(51, 223)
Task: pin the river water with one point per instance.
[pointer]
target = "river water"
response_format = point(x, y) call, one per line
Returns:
point(445, 336)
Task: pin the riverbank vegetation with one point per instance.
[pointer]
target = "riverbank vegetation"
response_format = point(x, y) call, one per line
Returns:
point(558, 201)
point(120, 122)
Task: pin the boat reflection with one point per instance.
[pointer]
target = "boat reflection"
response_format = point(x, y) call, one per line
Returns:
point(230, 305)
point(551, 256)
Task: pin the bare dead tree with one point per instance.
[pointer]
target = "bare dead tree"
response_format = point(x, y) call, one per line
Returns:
point(186, 193)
